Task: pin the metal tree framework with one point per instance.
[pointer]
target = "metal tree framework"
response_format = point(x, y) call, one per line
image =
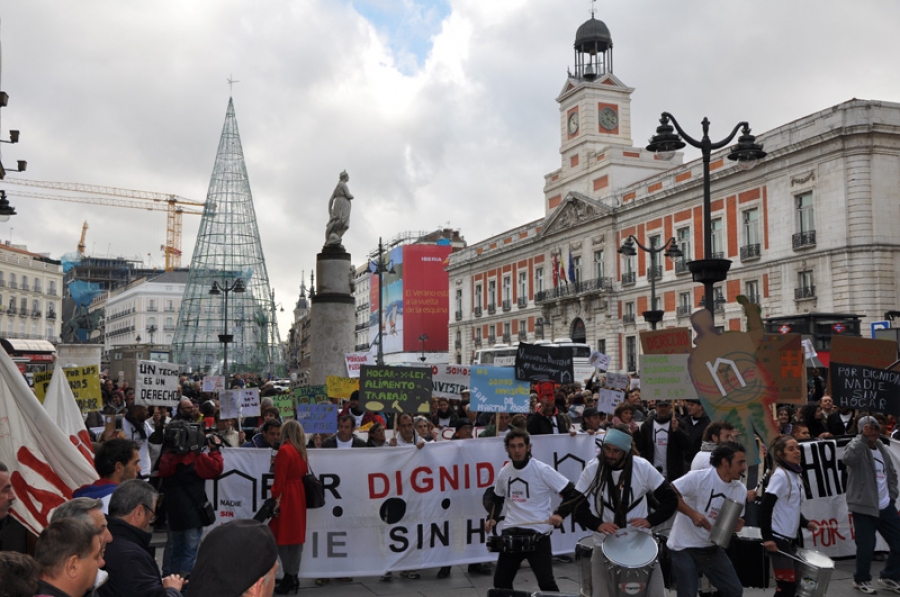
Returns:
point(228, 248)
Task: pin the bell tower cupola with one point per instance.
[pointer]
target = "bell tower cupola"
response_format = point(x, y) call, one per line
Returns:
point(593, 50)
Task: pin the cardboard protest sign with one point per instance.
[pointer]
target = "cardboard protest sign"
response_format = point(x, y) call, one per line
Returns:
point(617, 381)
point(230, 404)
point(495, 389)
point(781, 357)
point(311, 395)
point(156, 384)
point(668, 341)
point(449, 380)
point(285, 405)
point(213, 383)
point(341, 387)
point(852, 350)
point(249, 402)
point(608, 400)
point(599, 361)
point(536, 361)
point(865, 388)
point(355, 360)
point(85, 384)
point(395, 389)
point(666, 377)
point(318, 418)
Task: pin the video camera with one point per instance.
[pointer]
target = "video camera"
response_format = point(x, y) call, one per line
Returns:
point(183, 437)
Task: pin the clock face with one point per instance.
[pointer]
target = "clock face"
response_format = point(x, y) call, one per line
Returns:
point(573, 123)
point(608, 119)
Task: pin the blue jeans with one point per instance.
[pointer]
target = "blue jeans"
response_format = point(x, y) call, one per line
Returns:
point(181, 551)
point(714, 563)
point(888, 524)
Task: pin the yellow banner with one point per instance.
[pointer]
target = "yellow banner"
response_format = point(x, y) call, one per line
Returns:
point(85, 384)
point(341, 387)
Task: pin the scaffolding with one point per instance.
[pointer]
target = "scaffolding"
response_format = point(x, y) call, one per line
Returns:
point(228, 248)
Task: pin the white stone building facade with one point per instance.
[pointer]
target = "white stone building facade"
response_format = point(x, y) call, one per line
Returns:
point(143, 312)
point(30, 295)
point(813, 228)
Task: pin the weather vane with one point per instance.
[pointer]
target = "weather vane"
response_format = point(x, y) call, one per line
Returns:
point(593, 7)
point(231, 83)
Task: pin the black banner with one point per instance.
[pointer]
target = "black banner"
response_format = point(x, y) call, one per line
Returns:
point(395, 389)
point(865, 388)
point(537, 361)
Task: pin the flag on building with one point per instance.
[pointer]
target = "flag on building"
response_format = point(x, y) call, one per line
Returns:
point(572, 277)
point(562, 270)
point(555, 272)
point(44, 466)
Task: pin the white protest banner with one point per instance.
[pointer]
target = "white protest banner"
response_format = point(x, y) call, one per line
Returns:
point(355, 360)
point(449, 380)
point(156, 384)
point(666, 377)
point(230, 404)
point(495, 389)
point(397, 508)
point(608, 400)
point(582, 372)
point(249, 398)
point(213, 383)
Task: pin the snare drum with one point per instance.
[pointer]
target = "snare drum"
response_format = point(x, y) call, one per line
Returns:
point(513, 543)
point(630, 557)
point(584, 550)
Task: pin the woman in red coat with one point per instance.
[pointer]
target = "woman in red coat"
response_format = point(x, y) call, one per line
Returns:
point(289, 526)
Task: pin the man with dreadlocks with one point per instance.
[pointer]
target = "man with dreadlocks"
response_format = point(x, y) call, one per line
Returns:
point(613, 492)
point(526, 487)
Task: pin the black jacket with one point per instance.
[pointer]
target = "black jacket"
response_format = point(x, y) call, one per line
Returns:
point(183, 478)
point(835, 424)
point(331, 442)
point(676, 452)
point(129, 561)
point(538, 424)
point(695, 433)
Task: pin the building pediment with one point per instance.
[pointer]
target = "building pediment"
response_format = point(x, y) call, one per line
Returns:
point(574, 210)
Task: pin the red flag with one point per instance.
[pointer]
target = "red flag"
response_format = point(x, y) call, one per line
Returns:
point(555, 272)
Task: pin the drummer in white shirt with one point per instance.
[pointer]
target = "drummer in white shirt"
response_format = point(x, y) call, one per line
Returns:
point(614, 489)
point(701, 495)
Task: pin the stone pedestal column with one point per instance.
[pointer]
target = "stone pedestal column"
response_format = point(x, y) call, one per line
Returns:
point(332, 315)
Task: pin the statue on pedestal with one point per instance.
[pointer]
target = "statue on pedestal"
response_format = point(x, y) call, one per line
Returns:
point(339, 212)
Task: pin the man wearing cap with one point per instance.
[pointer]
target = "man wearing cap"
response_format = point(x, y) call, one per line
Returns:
point(225, 567)
point(590, 421)
point(614, 489)
point(663, 443)
point(694, 424)
point(871, 495)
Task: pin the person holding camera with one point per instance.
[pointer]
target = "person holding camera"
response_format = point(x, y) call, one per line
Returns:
point(184, 468)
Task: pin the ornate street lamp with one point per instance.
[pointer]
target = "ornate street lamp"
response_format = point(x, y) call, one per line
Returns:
point(746, 153)
point(380, 267)
point(654, 315)
point(226, 338)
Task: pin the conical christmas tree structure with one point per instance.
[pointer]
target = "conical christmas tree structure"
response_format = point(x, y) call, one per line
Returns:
point(228, 249)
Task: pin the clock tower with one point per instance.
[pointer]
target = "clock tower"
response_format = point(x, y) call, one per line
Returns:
point(595, 125)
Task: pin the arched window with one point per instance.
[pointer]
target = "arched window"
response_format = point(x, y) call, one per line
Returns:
point(579, 334)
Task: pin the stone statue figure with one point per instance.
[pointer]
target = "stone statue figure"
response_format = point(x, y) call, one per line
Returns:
point(339, 212)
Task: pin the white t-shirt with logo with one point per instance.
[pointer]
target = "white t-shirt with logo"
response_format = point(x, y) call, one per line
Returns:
point(644, 479)
point(343, 444)
point(788, 487)
point(701, 461)
point(528, 493)
point(132, 433)
point(705, 492)
point(402, 442)
point(884, 496)
point(660, 444)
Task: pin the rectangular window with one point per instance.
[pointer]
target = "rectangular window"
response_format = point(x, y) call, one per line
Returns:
point(539, 279)
point(805, 215)
point(751, 290)
point(152, 305)
point(576, 263)
point(523, 284)
point(751, 226)
point(599, 269)
point(492, 293)
point(628, 264)
point(601, 346)
point(716, 245)
point(459, 301)
point(631, 353)
point(478, 296)
point(170, 305)
point(629, 310)
point(507, 289)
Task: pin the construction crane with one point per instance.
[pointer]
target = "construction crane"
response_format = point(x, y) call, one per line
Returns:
point(173, 205)
point(81, 242)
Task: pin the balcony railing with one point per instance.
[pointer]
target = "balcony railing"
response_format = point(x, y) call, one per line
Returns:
point(683, 310)
point(804, 239)
point(457, 315)
point(750, 252)
point(168, 328)
point(478, 342)
point(753, 298)
point(11, 310)
point(491, 340)
point(804, 292)
point(717, 255)
point(361, 326)
point(52, 292)
point(14, 285)
point(655, 272)
point(522, 302)
point(25, 286)
point(523, 335)
point(507, 305)
point(36, 313)
point(492, 308)
point(572, 289)
point(628, 318)
point(2, 283)
point(507, 338)
point(457, 344)
point(477, 311)
point(361, 347)
point(152, 308)
point(681, 267)
point(23, 312)
point(51, 315)
point(629, 278)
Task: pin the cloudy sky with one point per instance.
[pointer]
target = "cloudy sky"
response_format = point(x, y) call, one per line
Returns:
point(442, 111)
